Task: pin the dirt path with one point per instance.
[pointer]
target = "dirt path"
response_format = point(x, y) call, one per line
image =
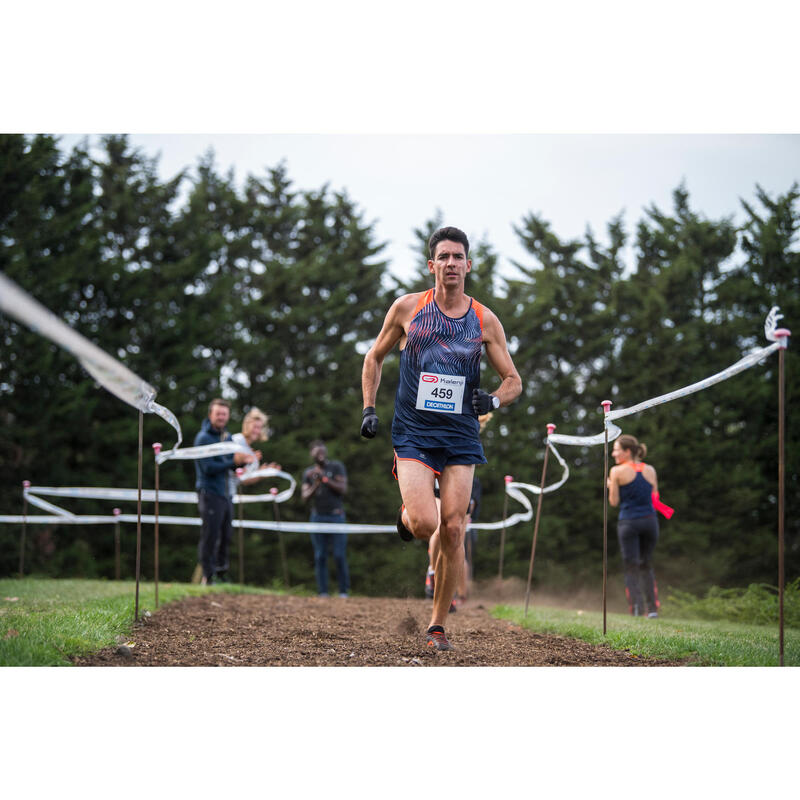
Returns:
point(264, 630)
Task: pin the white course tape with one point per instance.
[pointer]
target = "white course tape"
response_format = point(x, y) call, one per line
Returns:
point(201, 451)
point(770, 326)
point(31, 493)
point(63, 517)
point(741, 365)
point(107, 371)
point(586, 441)
point(771, 323)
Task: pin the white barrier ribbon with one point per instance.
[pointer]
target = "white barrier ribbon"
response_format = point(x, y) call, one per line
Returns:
point(770, 326)
point(586, 441)
point(201, 451)
point(741, 365)
point(32, 493)
point(107, 371)
point(64, 517)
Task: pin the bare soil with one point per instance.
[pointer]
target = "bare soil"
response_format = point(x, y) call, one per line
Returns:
point(290, 631)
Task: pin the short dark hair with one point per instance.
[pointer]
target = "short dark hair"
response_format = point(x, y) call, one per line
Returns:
point(218, 401)
point(316, 443)
point(448, 235)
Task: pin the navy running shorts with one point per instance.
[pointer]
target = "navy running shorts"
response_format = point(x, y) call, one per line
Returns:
point(437, 458)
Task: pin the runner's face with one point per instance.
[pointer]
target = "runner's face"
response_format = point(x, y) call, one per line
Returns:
point(449, 264)
point(219, 416)
point(620, 455)
point(319, 454)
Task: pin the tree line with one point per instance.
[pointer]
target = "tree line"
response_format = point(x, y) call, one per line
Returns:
point(269, 295)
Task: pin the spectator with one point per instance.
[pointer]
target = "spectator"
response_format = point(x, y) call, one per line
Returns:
point(254, 429)
point(324, 485)
point(213, 494)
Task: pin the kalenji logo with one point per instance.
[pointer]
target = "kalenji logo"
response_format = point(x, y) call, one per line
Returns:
point(430, 379)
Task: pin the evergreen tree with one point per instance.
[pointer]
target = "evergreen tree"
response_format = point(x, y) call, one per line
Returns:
point(768, 275)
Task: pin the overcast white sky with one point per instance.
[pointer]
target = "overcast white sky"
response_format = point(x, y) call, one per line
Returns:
point(487, 183)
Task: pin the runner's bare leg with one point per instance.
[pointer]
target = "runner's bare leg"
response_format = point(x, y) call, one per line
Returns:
point(433, 543)
point(421, 513)
point(455, 488)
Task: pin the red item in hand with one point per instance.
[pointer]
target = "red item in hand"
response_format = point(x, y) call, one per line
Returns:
point(662, 507)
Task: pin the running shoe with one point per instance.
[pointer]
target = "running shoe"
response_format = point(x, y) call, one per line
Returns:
point(456, 603)
point(436, 638)
point(429, 584)
point(405, 533)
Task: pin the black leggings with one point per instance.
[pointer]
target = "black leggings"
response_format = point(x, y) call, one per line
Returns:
point(637, 541)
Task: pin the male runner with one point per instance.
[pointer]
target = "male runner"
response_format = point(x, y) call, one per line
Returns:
point(438, 400)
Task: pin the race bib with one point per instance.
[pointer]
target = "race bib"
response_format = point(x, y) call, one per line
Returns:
point(442, 393)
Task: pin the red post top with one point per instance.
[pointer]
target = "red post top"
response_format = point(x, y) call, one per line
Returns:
point(781, 335)
point(117, 512)
point(157, 447)
point(550, 428)
point(273, 491)
point(509, 478)
point(26, 484)
point(606, 406)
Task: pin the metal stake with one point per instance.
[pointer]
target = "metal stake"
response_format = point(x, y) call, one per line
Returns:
point(239, 473)
point(117, 512)
point(156, 451)
point(606, 407)
point(25, 486)
point(273, 491)
point(782, 335)
point(139, 521)
point(550, 428)
point(507, 480)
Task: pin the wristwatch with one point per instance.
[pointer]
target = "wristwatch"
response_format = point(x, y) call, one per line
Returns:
point(495, 401)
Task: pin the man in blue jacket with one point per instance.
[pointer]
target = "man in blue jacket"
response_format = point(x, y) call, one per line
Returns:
point(216, 505)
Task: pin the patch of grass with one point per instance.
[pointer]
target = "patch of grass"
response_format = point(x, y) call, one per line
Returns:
point(44, 622)
point(702, 642)
point(757, 604)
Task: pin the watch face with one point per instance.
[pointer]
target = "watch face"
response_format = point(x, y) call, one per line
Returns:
point(495, 401)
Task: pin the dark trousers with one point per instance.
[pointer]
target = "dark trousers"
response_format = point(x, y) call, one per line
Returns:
point(217, 530)
point(637, 541)
point(320, 543)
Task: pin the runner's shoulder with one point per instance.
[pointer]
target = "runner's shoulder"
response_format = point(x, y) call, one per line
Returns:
point(490, 320)
point(404, 306)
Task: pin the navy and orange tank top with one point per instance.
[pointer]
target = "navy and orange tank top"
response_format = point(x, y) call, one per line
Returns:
point(636, 497)
point(439, 368)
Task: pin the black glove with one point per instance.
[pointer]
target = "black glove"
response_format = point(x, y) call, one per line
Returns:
point(482, 402)
point(369, 422)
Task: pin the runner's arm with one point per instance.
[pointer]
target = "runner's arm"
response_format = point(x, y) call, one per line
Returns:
point(650, 475)
point(494, 338)
point(613, 487)
point(392, 331)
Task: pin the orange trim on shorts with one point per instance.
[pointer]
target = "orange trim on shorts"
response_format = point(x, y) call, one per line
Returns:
point(396, 459)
